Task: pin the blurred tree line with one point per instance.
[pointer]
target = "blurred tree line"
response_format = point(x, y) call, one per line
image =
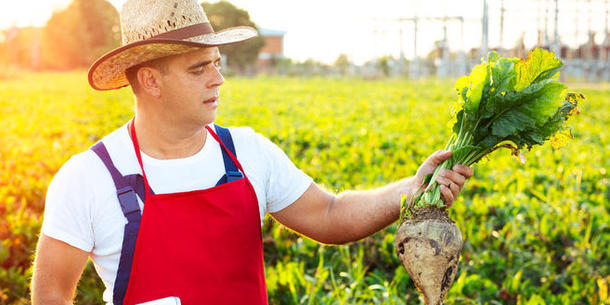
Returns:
point(77, 35)
point(72, 38)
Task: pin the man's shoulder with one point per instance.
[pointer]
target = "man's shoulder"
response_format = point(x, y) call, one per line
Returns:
point(246, 133)
point(80, 167)
point(86, 167)
point(76, 180)
point(247, 139)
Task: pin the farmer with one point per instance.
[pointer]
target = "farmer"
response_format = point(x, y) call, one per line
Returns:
point(205, 188)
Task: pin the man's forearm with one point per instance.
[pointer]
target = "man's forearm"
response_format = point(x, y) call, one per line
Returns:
point(354, 215)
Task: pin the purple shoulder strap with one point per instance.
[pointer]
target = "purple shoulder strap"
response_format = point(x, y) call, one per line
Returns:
point(125, 186)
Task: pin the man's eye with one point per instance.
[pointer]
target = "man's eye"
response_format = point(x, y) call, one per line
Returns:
point(218, 65)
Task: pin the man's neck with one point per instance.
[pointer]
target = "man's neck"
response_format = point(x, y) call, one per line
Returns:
point(164, 140)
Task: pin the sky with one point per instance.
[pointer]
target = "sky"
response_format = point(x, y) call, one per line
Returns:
point(323, 29)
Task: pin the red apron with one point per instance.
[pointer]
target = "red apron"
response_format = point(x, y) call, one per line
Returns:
point(204, 246)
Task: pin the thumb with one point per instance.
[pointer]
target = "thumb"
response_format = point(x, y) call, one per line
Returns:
point(438, 157)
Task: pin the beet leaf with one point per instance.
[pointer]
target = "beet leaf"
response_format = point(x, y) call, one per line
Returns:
point(504, 103)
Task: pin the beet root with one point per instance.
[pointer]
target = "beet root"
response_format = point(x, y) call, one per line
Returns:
point(429, 246)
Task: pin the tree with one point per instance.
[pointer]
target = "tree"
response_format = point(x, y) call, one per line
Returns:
point(342, 63)
point(63, 39)
point(102, 24)
point(224, 15)
point(25, 47)
point(384, 65)
point(77, 35)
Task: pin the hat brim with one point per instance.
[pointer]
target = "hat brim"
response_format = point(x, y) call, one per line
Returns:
point(108, 72)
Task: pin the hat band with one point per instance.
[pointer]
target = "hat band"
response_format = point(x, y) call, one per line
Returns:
point(187, 32)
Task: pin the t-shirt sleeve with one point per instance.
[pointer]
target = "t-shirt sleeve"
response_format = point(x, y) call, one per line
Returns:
point(69, 204)
point(285, 182)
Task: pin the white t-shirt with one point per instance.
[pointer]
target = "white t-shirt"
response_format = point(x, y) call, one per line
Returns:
point(82, 208)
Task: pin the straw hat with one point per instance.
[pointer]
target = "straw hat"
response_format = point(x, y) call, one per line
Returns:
point(153, 29)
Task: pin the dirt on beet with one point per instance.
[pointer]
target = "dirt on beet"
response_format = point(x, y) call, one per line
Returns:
point(428, 213)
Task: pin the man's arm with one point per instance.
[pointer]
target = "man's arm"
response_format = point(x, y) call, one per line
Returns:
point(57, 269)
point(353, 215)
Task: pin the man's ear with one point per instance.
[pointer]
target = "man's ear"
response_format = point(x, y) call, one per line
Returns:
point(149, 80)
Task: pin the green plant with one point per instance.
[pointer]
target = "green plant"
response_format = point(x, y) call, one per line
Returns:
point(505, 103)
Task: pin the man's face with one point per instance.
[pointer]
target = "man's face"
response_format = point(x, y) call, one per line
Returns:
point(190, 88)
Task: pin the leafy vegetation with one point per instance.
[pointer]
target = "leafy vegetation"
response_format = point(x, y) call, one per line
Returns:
point(536, 233)
point(506, 103)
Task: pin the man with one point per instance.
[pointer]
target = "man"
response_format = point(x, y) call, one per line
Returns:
point(199, 238)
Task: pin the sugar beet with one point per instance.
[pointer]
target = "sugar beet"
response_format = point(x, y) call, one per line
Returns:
point(429, 246)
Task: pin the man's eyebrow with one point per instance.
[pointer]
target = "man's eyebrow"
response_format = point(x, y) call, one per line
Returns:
point(203, 63)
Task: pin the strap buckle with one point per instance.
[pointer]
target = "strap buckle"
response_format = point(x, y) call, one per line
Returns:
point(232, 176)
point(128, 201)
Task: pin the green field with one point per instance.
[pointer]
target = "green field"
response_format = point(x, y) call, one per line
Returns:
point(537, 233)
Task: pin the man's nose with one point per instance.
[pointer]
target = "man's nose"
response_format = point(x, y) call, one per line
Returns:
point(217, 79)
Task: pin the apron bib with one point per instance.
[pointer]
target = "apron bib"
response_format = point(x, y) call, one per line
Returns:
point(203, 246)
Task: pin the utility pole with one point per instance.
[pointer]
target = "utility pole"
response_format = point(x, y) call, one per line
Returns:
point(401, 57)
point(541, 23)
point(501, 23)
point(607, 39)
point(443, 67)
point(576, 27)
point(556, 43)
point(484, 41)
point(590, 61)
point(578, 59)
point(414, 67)
point(591, 35)
point(606, 47)
point(546, 42)
point(461, 58)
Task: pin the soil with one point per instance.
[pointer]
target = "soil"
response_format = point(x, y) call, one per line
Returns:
point(427, 213)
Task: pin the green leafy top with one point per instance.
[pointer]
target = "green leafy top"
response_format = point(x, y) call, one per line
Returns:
point(505, 102)
point(507, 99)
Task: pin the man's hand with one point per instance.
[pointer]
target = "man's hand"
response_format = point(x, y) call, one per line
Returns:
point(450, 181)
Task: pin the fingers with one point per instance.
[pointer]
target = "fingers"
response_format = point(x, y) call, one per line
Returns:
point(463, 170)
point(438, 157)
point(431, 163)
point(455, 189)
point(443, 181)
point(447, 195)
point(450, 186)
point(453, 176)
point(452, 181)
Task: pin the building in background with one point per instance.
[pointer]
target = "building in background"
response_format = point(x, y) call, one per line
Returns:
point(273, 49)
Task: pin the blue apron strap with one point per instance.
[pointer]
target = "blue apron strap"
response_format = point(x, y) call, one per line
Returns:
point(137, 182)
point(100, 149)
point(131, 210)
point(231, 171)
